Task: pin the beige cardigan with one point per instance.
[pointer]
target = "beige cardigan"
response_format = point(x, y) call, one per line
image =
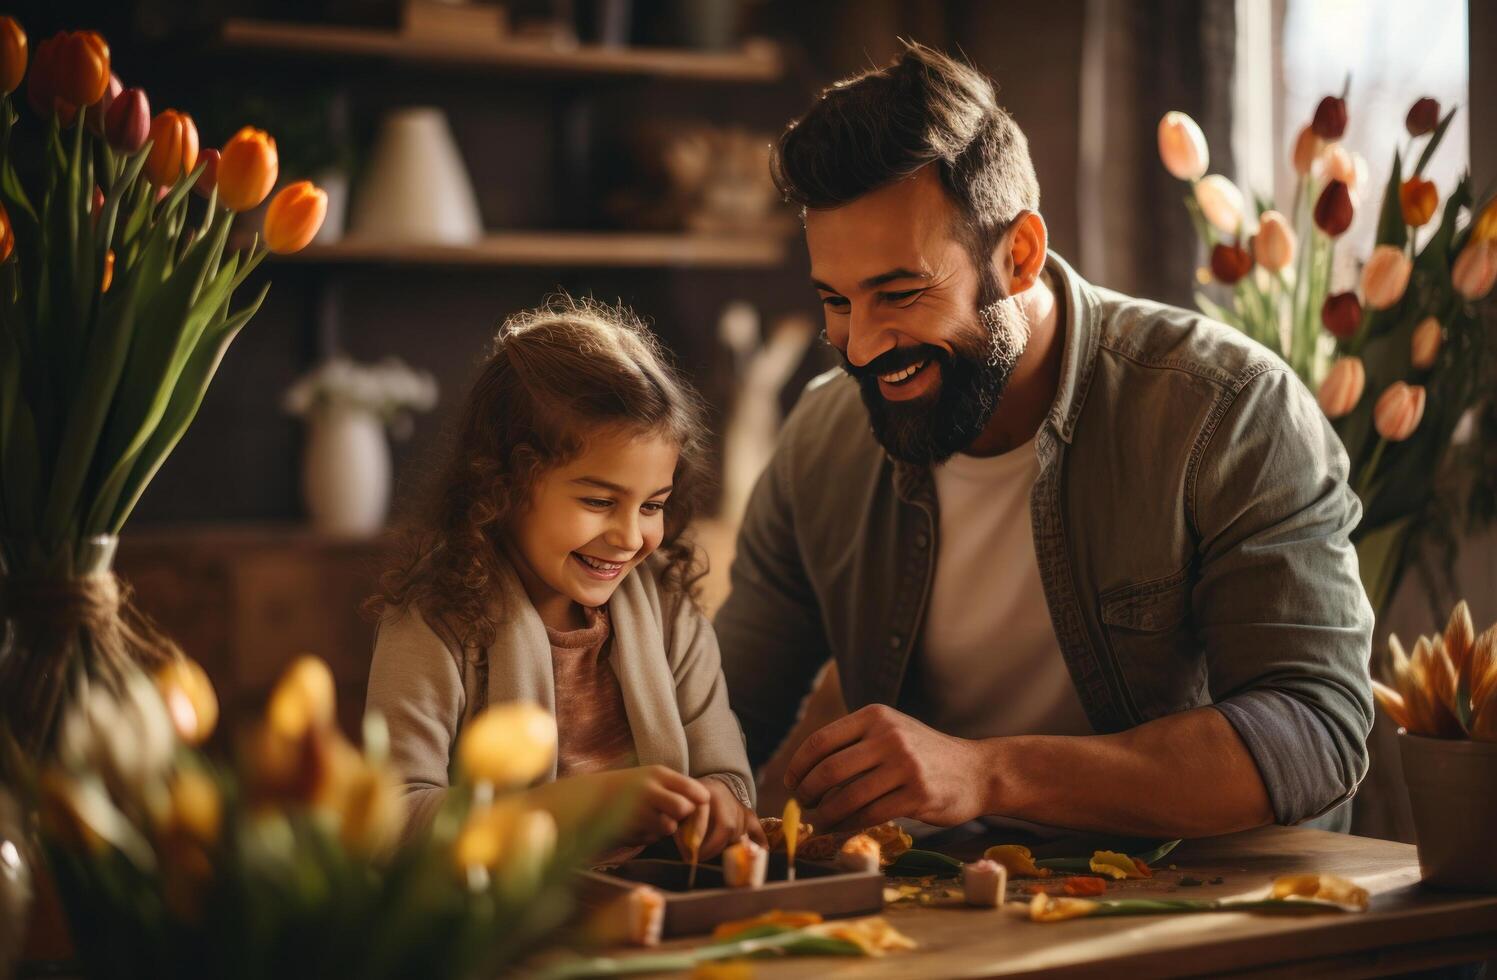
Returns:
point(663, 650)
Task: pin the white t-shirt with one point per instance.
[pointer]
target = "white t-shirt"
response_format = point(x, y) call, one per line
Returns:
point(989, 661)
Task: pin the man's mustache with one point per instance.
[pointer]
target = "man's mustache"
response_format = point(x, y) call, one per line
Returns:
point(895, 360)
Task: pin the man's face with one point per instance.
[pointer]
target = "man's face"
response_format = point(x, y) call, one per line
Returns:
point(930, 337)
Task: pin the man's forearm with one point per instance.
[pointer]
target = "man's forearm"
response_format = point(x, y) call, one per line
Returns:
point(1186, 775)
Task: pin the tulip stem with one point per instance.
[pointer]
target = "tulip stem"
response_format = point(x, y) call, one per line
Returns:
point(1364, 485)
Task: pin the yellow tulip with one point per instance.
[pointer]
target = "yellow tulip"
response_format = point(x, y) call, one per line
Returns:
point(174, 148)
point(304, 698)
point(508, 745)
point(108, 272)
point(1342, 388)
point(1424, 348)
point(247, 169)
point(1182, 146)
point(12, 55)
point(190, 699)
point(1274, 245)
point(194, 806)
point(1385, 277)
point(1398, 411)
point(1475, 268)
point(371, 811)
point(295, 214)
point(1221, 203)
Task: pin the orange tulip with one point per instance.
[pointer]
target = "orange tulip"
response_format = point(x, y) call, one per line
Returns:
point(1475, 269)
point(1182, 146)
point(1398, 411)
point(1418, 198)
point(1307, 148)
point(174, 150)
point(83, 68)
point(1484, 229)
point(295, 214)
point(7, 235)
point(1385, 277)
point(1424, 347)
point(12, 55)
point(1274, 244)
point(41, 82)
point(1342, 388)
point(108, 272)
point(247, 169)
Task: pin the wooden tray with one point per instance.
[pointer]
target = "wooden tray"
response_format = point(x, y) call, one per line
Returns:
point(816, 888)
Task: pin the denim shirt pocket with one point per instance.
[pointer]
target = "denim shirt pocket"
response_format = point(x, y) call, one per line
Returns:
point(1154, 646)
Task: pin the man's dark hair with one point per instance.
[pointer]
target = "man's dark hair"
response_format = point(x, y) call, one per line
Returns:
point(878, 127)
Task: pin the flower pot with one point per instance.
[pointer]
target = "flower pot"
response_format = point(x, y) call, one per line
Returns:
point(346, 471)
point(1453, 793)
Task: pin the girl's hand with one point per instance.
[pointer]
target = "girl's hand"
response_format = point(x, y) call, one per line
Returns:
point(730, 820)
point(664, 798)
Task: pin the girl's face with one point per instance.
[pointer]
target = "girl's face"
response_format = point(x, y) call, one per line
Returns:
point(591, 520)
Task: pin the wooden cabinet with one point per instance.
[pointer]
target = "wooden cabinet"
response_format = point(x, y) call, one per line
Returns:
point(245, 601)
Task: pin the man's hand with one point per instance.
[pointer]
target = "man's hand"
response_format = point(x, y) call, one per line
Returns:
point(877, 764)
point(730, 820)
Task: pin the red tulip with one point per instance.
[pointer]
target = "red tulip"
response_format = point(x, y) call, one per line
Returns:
point(1330, 118)
point(41, 82)
point(1341, 313)
point(127, 124)
point(1229, 263)
point(1423, 117)
point(1334, 211)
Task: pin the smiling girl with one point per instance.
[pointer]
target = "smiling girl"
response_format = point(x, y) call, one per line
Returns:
point(553, 569)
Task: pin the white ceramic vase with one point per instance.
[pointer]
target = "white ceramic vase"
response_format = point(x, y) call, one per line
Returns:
point(335, 184)
point(346, 471)
point(417, 188)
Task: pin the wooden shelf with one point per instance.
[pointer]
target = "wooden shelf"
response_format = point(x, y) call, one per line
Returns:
point(548, 248)
point(760, 62)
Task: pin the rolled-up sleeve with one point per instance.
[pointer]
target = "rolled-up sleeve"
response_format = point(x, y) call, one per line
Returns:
point(1279, 603)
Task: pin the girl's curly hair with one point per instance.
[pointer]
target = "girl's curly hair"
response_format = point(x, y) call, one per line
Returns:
point(555, 375)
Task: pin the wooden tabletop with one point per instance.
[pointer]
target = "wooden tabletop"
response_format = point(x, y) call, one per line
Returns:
point(1408, 927)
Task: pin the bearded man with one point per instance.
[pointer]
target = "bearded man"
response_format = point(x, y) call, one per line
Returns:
point(1082, 560)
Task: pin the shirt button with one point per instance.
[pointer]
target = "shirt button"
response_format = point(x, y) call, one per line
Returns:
point(894, 641)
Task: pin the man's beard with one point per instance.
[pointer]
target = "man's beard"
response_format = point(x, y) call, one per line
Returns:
point(973, 375)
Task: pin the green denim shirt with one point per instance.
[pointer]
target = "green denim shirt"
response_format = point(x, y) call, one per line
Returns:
point(1191, 523)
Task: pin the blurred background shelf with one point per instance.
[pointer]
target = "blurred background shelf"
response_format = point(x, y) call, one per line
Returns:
point(758, 62)
point(589, 249)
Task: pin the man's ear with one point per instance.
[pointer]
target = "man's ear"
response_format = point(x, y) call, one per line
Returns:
point(1022, 251)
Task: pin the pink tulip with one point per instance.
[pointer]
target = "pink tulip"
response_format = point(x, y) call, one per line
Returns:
point(1182, 146)
point(127, 124)
point(1475, 269)
point(1221, 203)
point(1342, 388)
point(1385, 277)
point(1398, 411)
point(1274, 244)
point(1425, 345)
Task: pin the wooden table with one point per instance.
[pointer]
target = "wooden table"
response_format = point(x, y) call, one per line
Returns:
point(1408, 927)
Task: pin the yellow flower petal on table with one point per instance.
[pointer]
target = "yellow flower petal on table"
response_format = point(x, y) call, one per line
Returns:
point(891, 839)
point(1018, 859)
point(775, 917)
point(1322, 888)
point(873, 935)
point(1050, 908)
point(1115, 865)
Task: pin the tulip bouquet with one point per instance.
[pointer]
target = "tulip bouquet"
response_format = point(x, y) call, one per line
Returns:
point(1398, 360)
point(117, 303)
point(289, 863)
point(1447, 688)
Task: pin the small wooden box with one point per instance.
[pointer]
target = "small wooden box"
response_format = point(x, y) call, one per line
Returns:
point(452, 21)
point(816, 888)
